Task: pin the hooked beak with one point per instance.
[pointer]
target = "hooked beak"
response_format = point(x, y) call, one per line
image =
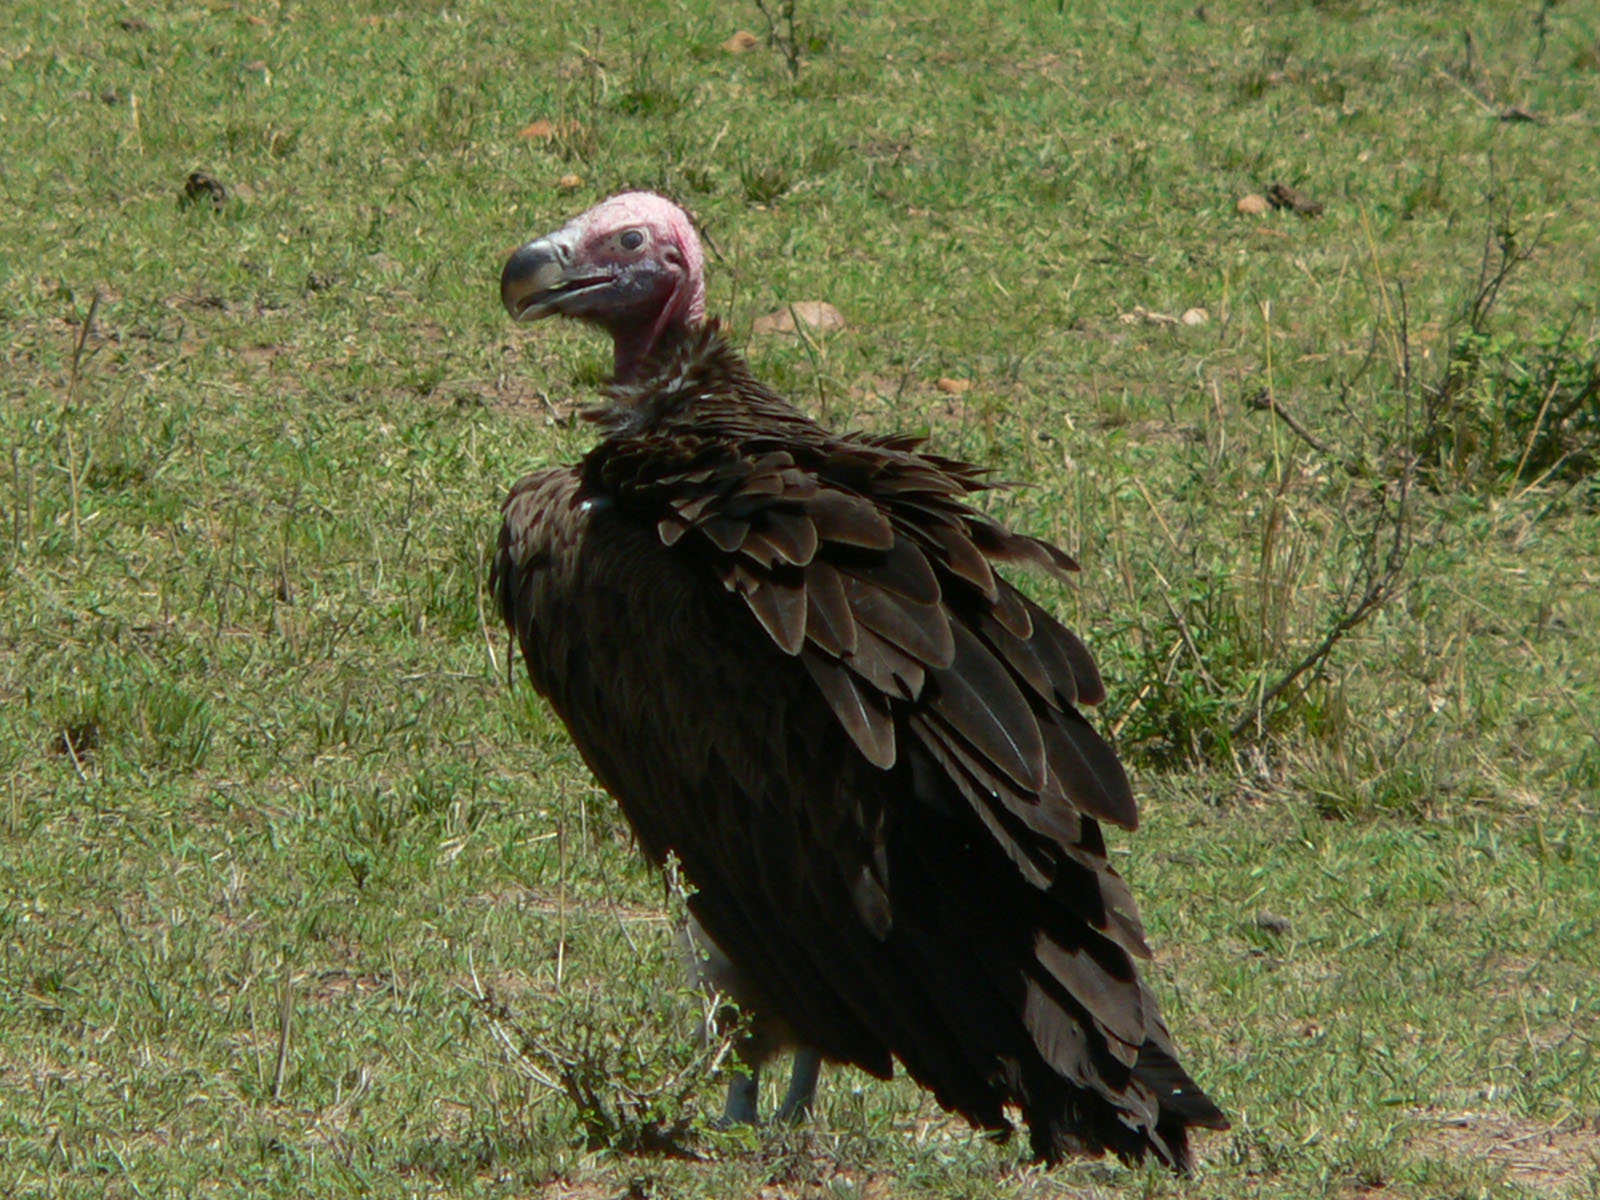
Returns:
point(538, 279)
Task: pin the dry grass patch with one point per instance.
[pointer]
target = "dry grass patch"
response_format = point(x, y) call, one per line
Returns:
point(1559, 1161)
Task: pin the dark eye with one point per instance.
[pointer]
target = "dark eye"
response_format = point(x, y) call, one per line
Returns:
point(632, 240)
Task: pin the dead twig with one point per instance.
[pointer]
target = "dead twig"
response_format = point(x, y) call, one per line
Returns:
point(502, 1024)
point(78, 345)
point(1264, 401)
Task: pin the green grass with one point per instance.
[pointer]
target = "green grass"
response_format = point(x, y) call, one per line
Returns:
point(257, 753)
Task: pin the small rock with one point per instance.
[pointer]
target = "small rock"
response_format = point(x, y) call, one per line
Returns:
point(1269, 922)
point(568, 182)
point(817, 314)
point(741, 42)
point(1252, 205)
point(953, 387)
point(1195, 316)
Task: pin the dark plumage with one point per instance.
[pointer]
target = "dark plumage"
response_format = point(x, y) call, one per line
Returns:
point(789, 656)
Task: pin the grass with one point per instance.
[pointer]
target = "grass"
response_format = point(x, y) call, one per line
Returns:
point(300, 899)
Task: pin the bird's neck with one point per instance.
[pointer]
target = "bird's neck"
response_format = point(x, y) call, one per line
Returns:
point(692, 377)
point(640, 353)
point(635, 344)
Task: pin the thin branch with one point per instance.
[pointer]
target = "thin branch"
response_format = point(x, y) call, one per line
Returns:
point(1377, 593)
point(788, 41)
point(499, 1017)
point(1492, 274)
point(78, 346)
point(1265, 401)
point(285, 1026)
point(70, 742)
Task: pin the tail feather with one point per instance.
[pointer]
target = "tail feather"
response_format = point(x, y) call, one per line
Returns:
point(1148, 1109)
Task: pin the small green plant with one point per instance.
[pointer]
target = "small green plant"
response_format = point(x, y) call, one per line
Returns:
point(1526, 410)
point(763, 182)
point(1511, 406)
point(630, 1070)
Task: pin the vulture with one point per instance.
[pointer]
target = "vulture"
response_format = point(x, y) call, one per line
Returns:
point(792, 657)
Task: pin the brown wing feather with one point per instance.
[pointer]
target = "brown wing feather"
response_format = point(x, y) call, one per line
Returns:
point(902, 569)
point(963, 559)
point(849, 520)
point(1088, 771)
point(882, 665)
point(792, 534)
point(779, 605)
point(864, 712)
point(829, 622)
point(921, 630)
point(978, 698)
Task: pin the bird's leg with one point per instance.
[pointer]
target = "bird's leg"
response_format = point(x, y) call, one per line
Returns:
point(743, 1091)
point(765, 1035)
point(796, 1105)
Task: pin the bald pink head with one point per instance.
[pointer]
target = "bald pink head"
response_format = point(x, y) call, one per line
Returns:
point(631, 264)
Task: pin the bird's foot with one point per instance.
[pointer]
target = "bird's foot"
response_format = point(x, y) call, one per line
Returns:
point(740, 1109)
